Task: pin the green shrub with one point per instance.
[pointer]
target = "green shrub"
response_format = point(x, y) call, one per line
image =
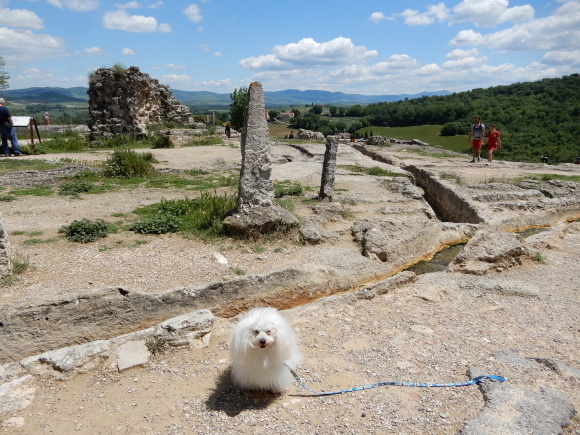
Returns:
point(75, 187)
point(85, 230)
point(202, 216)
point(128, 164)
point(287, 188)
point(161, 142)
point(158, 225)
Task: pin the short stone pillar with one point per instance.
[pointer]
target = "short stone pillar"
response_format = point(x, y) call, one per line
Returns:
point(329, 168)
point(255, 207)
point(5, 262)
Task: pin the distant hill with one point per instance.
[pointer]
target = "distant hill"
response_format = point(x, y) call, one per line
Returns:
point(212, 100)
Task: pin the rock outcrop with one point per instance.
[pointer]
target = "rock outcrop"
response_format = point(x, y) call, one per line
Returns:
point(127, 101)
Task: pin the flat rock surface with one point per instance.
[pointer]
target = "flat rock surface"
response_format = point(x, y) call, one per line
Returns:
point(431, 330)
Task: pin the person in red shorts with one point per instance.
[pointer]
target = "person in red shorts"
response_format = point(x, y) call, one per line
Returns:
point(477, 132)
point(493, 142)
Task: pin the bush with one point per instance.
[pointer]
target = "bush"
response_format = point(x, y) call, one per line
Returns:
point(85, 230)
point(287, 189)
point(128, 163)
point(161, 142)
point(453, 129)
point(75, 187)
point(158, 225)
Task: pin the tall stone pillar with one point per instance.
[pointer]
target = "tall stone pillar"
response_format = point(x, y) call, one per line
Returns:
point(255, 206)
point(329, 168)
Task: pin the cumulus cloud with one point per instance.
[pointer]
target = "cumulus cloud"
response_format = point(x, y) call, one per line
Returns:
point(76, 5)
point(127, 52)
point(379, 16)
point(176, 79)
point(121, 20)
point(95, 51)
point(130, 5)
point(460, 54)
point(174, 66)
point(308, 52)
point(562, 57)
point(434, 13)
point(193, 13)
point(24, 46)
point(559, 31)
point(489, 13)
point(22, 18)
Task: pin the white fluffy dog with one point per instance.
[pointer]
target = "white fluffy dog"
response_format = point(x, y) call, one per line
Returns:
point(262, 341)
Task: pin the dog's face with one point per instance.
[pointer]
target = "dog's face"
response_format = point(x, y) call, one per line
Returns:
point(263, 337)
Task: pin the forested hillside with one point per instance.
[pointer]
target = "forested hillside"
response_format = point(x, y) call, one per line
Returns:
point(534, 118)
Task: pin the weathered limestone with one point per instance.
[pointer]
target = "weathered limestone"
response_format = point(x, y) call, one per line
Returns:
point(255, 207)
point(329, 168)
point(490, 250)
point(5, 263)
point(309, 135)
point(127, 101)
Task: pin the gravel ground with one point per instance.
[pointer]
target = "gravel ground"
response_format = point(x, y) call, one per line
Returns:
point(431, 331)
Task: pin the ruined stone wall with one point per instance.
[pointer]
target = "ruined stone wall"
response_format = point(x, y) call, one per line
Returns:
point(127, 101)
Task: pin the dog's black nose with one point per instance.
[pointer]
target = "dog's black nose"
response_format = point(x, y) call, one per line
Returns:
point(263, 341)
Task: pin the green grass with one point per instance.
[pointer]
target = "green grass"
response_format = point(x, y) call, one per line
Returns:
point(425, 133)
point(373, 170)
point(12, 165)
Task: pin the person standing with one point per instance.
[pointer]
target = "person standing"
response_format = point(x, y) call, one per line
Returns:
point(7, 131)
point(477, 132)
point(493, 142)
point(46, 118)
point(229, 130)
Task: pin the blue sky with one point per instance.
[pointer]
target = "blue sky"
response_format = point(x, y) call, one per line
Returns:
point(367, 47)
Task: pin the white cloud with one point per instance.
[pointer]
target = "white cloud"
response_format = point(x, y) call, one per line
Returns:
point(268, 61)
point(460, 54)
point(95, 51)
point(164, 28)
point(174, 66)
point(127, 52)
point(204, 47)
point(76, 5)
point(130, 5)
point(308, 52)
point(560, 31)
point(217, 54)
point(434, 13)
point(25, 46)
point(466, 62)
point(489, 13)
point(570, 57)
point(175, 80)
point(22, 18)
point(379, 16)
point(193, 13)
point(120, 20)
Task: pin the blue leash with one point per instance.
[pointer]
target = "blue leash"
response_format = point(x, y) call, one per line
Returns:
point(473, 381)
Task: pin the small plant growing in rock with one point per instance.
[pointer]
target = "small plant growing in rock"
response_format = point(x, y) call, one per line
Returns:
point(85, 230)
point(539, 257)
point(156, 345)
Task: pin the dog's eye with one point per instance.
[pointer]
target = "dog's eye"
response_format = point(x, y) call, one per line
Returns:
point(268, 332)
point(256, 332)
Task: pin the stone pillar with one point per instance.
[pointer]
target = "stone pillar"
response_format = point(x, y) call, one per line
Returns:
point(256, 188)
point(255, 207)
point(5, 263)
point(329, 168)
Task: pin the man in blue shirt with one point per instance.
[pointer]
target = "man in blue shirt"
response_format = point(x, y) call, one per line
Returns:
point(7, 131)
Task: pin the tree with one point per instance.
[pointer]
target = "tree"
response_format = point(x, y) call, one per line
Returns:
point(273, 114)
point(238, 107)
point(333, 110)
point(3, 76)
point(296, 113)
